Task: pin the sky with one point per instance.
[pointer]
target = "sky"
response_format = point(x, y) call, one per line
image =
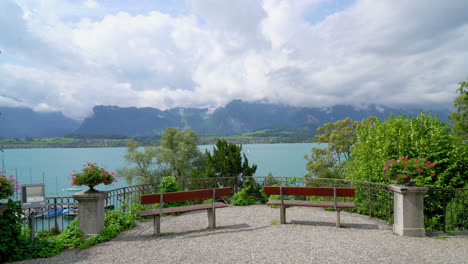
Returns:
point(70, 55)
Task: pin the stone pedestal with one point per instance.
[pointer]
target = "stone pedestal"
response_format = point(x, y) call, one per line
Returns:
point(408, 205)
point(90, 212)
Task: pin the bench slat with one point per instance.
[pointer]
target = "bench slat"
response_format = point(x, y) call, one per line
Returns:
point(312, 203)
point(185, 196)
point(181, 209)
point(310, 191)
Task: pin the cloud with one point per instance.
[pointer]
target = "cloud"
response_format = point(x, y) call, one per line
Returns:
point(91, 4)
point(211, 52)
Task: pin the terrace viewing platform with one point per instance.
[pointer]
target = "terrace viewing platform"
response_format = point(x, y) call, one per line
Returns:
point(252, 234)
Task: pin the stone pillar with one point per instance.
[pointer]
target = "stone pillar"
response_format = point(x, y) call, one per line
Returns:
point(91, 212)
point(408, 207)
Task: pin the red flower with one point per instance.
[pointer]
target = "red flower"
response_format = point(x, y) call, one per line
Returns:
point(405, 165)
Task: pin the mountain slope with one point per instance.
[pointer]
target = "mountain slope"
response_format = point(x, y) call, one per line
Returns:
point(235, 118)
point(24, 122)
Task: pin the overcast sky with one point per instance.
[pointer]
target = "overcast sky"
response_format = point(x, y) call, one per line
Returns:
point(68, 56)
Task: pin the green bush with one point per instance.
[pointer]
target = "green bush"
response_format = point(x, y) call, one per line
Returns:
point(242, 198)
point(10, 232)
point(424, 136)
point(254, 190)
point(47, 245)
point(169, 184)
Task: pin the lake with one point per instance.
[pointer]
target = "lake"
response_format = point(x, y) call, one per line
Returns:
point(53, 166)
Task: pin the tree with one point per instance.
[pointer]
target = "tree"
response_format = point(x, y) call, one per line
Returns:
point(176, 155)
point(226, 161)
point(179, 152)
point(146, 169)
point(329, 162)
point(460, 118)
point(422, 137)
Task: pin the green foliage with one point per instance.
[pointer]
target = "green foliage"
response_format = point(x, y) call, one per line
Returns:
point(274, 222)
point(133, 210)
point(7, 186)
point(242, 198)
point(16, 246)
point(254, 189)
point(423, 136)
point(145, 169)
point(170, 184)
point(270, 180)
point(10, 231)
point(329, 162)
point(403, 170)
point(179, 152)
point(177, 155)
point(460, 117)
point(227, 161)
point(92, 175)
point(114, 223)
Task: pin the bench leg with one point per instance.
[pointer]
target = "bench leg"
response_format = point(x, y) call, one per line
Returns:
point(211, 218)
point(156, 225)
point(338, 218)
point(283, 215)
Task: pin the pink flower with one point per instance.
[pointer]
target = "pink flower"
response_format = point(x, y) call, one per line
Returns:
point(112, 173)
point(384, 168)
point(394, 181)
point(397, 160)
point(391, 164)
point(11, 176)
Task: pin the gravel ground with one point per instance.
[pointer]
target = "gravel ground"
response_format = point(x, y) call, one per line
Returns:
point(247, 235)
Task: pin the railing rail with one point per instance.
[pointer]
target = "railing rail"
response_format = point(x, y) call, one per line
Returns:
point(373, 199)
point(448, 210)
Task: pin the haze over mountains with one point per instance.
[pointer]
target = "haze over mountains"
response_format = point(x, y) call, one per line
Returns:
point(235, 118)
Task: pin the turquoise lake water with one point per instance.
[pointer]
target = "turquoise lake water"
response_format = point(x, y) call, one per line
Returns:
point(54, 165)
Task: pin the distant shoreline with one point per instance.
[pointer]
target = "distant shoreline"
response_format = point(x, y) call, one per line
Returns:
point(107, 143)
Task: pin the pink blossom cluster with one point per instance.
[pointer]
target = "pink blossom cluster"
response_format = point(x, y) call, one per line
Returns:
point(403, 169)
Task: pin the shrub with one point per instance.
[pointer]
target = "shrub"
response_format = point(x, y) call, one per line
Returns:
point(242, 198)
point(7, 186)
point(423, 136)
point(169, 184)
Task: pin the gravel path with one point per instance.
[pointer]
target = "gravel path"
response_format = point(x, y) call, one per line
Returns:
point(246, 235)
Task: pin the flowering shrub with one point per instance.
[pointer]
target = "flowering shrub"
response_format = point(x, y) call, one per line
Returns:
point(403, 170)
point(7, 186)
point(92, 175)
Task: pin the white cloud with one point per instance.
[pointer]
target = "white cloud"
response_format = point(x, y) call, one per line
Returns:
point(91, 4)
point(372, 52)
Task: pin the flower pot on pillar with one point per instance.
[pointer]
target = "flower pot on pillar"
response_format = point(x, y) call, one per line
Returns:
point(91, 212)
point(408, 204)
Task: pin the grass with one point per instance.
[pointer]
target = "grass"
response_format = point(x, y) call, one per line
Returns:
point(274, 222)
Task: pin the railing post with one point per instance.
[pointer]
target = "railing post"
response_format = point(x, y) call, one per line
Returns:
point(55, 209)
point(370, 200)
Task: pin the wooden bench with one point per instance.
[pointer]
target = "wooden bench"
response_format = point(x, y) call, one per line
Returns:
point(310, 191)
point(161, 198)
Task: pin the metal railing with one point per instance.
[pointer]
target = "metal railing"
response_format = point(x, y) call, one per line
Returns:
point(447, 210)
point(373, 199)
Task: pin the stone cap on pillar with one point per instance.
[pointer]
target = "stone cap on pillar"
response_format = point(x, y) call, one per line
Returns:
point(404, 189)
point(86, 195)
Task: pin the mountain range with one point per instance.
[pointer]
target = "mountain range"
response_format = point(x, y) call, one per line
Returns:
point(235, 118)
